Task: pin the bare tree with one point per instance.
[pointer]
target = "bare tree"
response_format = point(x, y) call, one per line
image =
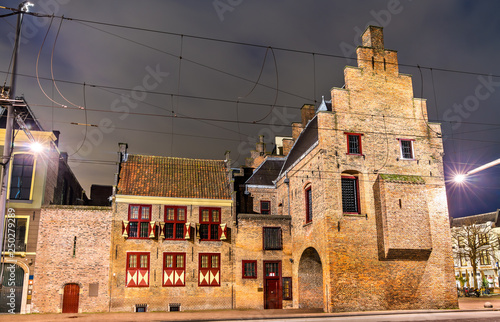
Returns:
point(475, 243)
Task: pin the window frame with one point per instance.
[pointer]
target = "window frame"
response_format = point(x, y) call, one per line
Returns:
point(175, 269)
point(284, 282)
point(360, 148)
point(265, 244)
point(308, 203)
point(210, 223)
point(175, 222)
point(243, 269)
point(31, 180)
point(484, 258)
point(356, 183)
point(412, 149)
point(139, 220)
point(262, 210)
point(210, 268)
point(136, 269)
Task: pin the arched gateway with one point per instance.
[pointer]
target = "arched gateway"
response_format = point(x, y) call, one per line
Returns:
point(310, 280)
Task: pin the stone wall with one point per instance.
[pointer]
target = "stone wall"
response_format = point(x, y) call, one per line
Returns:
point(59, 262)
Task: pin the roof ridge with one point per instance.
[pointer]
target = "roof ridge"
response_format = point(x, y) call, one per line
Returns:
point(176, 158)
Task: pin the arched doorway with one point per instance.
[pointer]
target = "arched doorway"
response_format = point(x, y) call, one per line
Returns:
point(71, 296)
point(12, 288)
point(310, 279)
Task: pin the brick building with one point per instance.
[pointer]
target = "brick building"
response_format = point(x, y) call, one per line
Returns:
point(362, 199)
point(36, 179)
point(349, 215)
point(171, 235)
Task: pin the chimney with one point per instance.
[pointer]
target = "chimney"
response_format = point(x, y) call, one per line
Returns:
point(287, 145)
point(296, 129)
point(307, 111)
point(373, 37)
point(123, 152)
point(261, 146)
point(57, 134)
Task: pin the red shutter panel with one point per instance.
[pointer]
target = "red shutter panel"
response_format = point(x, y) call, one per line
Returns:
point(142, 277)
point(223, 231)
point(187, 230)
point(152, 229)
point(125, 229)
point(131, 277)
point(162, 230)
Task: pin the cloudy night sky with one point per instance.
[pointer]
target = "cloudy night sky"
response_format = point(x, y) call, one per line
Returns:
point(247, 67)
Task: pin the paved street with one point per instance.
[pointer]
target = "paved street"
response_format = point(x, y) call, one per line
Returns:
point(471, 309)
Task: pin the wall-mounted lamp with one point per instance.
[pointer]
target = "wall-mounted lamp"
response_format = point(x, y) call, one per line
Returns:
point(291, 260)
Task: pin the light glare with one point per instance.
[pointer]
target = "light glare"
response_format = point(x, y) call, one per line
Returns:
point(36, 147)
point(459, 178)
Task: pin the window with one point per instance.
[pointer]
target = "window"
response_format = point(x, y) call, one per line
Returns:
point(21, 178)
point(249, 269)
point(406, 149)
point(265, 207)
point(18, 225)
point(209, 223)
point(463, 260)
point(209, 267)
point(484, 257)
point(353, 143)
point(350, 195)
point(309, 213)
point(287, 288)
point(461, 242)
point(483, 239)
point(139, 217)
point(174, 269)
point(272, 269)
point(272, 238)
point(137, 270)
point(175, 222)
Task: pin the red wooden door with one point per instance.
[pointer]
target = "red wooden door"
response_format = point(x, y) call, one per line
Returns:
point(272, 294)
point(70, 298)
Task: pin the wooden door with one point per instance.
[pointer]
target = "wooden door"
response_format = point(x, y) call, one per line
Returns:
point(272, 285)
point(70, 298)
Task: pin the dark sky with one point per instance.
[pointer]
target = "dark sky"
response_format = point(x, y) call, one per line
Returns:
point(214, 81)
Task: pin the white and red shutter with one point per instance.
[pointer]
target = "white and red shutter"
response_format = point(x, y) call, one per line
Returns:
point(152, 229)
point(223, 231)
point(187, 230)
point(162, 229)
point(125, 228)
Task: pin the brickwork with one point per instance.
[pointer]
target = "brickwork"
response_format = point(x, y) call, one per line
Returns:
point(59, 262)
point(264, 194)
point(248, 245)
point(156, 296)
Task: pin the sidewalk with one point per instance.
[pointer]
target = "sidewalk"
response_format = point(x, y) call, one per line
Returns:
point(465, 304)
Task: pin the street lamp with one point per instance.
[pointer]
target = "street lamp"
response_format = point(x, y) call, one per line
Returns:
point(459, 178)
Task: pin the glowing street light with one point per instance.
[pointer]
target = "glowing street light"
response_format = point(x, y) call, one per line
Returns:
point(36, 147)
point(459, 178)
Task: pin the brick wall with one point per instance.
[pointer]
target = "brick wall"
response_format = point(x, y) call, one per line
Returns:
point(56, 265)
point(157, 297)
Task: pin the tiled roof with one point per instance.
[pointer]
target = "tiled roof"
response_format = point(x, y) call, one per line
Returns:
point(266, 172)
point(155, 176)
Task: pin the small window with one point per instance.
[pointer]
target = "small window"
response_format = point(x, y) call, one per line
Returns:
point(484, 258)
point(287, 288)
point(249, 269)
point(137, 272)
point(174, 269)
point(354, 143)
point(209, 223)
point(139, 217)
point(175, 220)
point(309, 212)
point(483, 239)
point(21, 177)
point(406, 149)
point(350, 195)
point(272, 238)
point(265, 207)
point(209, 269)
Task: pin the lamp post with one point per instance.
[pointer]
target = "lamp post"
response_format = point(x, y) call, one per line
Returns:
point(459, 178)
point(23, 7)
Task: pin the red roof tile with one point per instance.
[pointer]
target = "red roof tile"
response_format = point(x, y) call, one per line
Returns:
point(156, 176)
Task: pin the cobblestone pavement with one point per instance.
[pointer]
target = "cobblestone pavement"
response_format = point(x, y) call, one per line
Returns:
point(467, 303)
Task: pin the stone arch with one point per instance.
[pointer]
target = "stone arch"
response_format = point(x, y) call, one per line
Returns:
point(310, 280)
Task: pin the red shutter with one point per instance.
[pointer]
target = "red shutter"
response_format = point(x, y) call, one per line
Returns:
point(162, 230)
point(223, 231)
point(125, 229)
point(152, 229)
point(187, 230)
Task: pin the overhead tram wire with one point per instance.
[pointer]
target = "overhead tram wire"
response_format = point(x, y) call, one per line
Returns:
point(299, 51)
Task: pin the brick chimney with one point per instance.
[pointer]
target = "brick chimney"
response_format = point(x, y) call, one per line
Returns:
point(260, 146)
point(307, 111)
point(373, 56)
